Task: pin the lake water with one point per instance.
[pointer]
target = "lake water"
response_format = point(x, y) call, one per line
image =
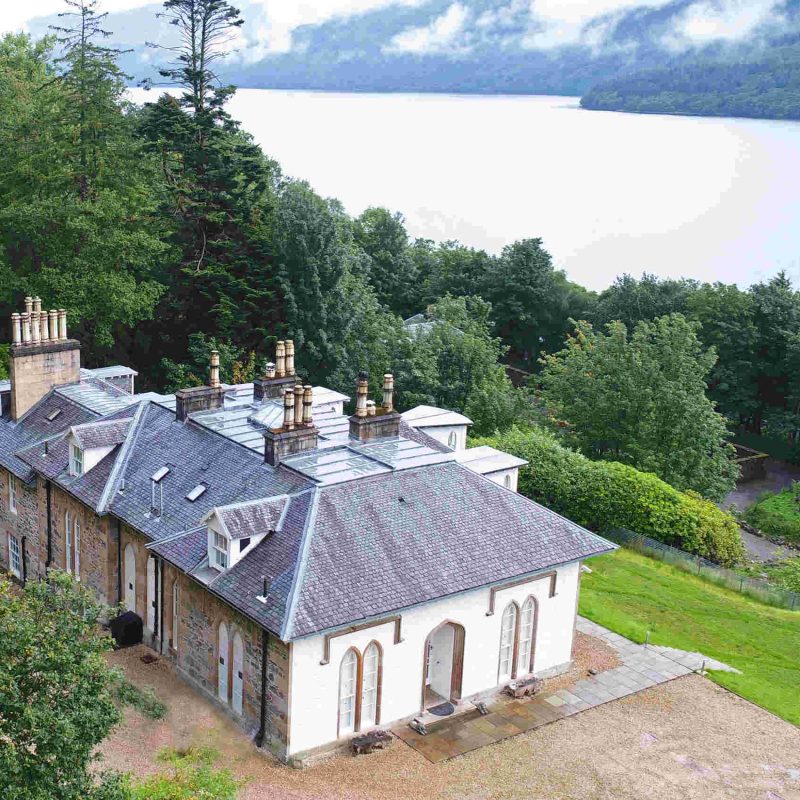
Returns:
point(713, 199)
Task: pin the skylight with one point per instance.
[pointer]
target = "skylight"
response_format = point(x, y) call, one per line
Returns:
point(53, 414)
point(160, 474)
point(198, 491)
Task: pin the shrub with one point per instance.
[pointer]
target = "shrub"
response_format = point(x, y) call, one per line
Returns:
point(143, 700)
point(776, 515)
point(602, 495)
point(191, 776)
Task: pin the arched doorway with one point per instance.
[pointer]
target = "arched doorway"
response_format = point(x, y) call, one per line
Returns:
point(237, 672)
point(222, 663)
point(443, 664)
point(130, 578)
point(152, 594)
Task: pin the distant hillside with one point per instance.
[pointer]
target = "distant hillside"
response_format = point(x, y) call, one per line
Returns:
point(647, 58)
point(767, 86)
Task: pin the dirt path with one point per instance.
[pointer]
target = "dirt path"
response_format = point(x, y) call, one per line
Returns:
point(687, 739)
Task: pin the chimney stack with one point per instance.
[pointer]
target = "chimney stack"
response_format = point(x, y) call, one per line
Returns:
point(42, 357)
point(278, 376)
point(370, 422)
point(201, 398)
point(298, 434)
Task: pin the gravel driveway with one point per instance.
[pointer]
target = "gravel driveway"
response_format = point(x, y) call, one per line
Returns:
point(687, 739)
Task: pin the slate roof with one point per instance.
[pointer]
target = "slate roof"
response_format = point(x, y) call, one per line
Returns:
point(248, 519)
point(186, 550)
point(34, 427)
point(485, 460)
point(101, 434)
point(232, 473)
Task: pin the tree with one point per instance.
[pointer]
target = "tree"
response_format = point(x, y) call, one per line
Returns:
point(642, 400)
point(56, 701)
point(382, 236)
point(77, 202)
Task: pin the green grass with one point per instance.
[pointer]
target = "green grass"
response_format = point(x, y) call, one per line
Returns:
point(632, 594)
point(776, 515)
point(144, 700)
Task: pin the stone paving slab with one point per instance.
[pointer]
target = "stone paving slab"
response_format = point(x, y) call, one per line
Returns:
point(642, 667)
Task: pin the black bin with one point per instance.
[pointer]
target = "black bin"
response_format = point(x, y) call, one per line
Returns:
point(126, 629)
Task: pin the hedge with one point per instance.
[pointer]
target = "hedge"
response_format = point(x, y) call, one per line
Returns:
point(777, 515)
point(602, 495)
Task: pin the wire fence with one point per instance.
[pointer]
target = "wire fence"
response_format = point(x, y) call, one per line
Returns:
point(756, 588)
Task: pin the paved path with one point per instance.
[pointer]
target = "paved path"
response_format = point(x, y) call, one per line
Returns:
point(641, 668)
point(762, 549)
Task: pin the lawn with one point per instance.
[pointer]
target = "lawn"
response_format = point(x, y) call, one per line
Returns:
point(632, 594)
point(777, 515)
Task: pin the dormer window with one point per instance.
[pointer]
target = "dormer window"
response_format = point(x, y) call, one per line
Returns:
point(219, 551)
point(75, 459)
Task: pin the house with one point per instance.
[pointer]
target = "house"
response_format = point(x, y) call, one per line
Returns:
point(315, 574)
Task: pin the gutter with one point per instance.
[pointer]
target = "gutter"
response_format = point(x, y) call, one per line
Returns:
point(119, 562)
point(23, 558)
point(262, 731)
point(160, 565)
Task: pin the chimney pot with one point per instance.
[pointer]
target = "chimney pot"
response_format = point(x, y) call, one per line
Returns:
point(270, 371)
point(16, 328)
point(290, 357)
point(36, 332)
point(370, 408)
point(280, 359)
point(288, 409)
point(28, 304)
point(388, 392)
point(362, 390)
point(37, 304)
point(214, 372)
point(298, 405)
point(308, 403)
point(53, 325)
point(44, 325)
point(62, 324)
point(26, 328)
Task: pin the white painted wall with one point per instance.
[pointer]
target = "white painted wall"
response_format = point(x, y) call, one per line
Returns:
point(314, 688)
point(500, 477)
point(442, 434)
point(93, 456)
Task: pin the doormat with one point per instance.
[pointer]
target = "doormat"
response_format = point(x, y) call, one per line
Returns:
point(149, 658)
point(442, 710)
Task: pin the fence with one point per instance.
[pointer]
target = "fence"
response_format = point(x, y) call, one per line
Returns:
point(758, 589)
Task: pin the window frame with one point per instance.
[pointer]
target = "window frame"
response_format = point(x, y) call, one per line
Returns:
point(221, 554)
point(526, 666)
point(355, 696)
point(452, 440)
point(14, 554)
point(510, 646)
point(76, 548)
point(12, 493)
point(376, 717)
point(75, 460)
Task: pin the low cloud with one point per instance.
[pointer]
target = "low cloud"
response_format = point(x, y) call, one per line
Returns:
point(443, 34)
point(720, 20)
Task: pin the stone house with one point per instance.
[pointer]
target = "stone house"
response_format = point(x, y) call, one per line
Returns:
point(317, 575)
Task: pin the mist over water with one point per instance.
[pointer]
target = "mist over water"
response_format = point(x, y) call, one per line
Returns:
point(712, 199)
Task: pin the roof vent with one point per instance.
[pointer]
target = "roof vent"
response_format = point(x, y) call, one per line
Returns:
point(53, 414)
point(198, 491)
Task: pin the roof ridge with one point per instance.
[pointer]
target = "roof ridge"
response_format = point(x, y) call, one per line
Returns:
point(102, 421)
point(122, 457)
point(244, 503)
point(292, 596)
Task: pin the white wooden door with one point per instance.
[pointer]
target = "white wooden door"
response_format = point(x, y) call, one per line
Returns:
point(441, 660)
point(222, 663)
point(152, 601)
point(237, 673)
point(130, 578)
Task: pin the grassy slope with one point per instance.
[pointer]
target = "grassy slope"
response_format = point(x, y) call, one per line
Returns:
point(632, 594)
point(784, 504)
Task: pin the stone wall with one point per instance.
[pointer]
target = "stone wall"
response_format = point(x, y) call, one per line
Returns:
point(23, 524)
point(197, 657)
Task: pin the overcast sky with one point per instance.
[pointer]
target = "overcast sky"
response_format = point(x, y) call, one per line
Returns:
point(271, 22)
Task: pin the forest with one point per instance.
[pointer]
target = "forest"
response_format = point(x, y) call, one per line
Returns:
point(766, 85)
point(166, 231)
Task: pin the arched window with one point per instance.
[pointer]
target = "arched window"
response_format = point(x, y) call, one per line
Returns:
point(527, 631)
point(237, 672)
point(68, 541)
point(508, 631)
point(130, 578)
point(176, 613)
point(507, 481)
point(348, 682)
point(371, 686)
point(76, 528)
point(452, 440)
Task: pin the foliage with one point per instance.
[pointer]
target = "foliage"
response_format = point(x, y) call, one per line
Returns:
point(143, 700)
point(235, 366)
point(603, 495)
point(777, 515)
point(633, 594)
point(766, 84)
point(56, 690)
point(642, 401)
point(191, 776)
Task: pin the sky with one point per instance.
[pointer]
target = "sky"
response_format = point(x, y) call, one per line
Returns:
point(558, 22)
